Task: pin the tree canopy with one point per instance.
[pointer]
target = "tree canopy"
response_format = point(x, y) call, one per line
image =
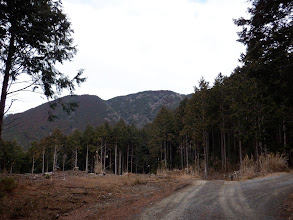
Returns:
point(35, 35)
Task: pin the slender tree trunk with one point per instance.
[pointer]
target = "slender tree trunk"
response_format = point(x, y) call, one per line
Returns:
point(136, 165)
point(47, 165)
point(170, 153)
point(87, 159)
point(165, 150)
point(127, 157)
point(284, 134)
point(75, 162)
point(110, 159)
point(186, 148)
point(206, 146)
point(240, 153)
point(116, 158)
point(105, 154)
point(43, 168)
point(120, 163)
point(205, 163)
point(101, 156)
point(55, 158)
point(64, 159)
point(181, 156)
point(131, 160)
point(33, 166)
point(195, 156)
point(256, 151)
point(11, 167)
point(224, 152)
point(8, 67)
point(213, 140)
point(123, 163)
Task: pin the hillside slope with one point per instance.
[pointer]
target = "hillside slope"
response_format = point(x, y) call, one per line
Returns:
point(139, 109)
point(33, 124)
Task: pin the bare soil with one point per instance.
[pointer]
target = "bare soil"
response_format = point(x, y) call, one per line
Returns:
point(259, 198)
point(77, 195)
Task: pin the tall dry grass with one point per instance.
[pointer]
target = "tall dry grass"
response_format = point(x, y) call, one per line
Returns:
point(265, 164)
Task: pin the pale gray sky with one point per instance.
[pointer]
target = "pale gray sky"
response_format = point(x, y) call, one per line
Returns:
point(128, 46)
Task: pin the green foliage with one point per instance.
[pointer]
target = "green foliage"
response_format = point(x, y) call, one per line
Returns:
point(11, 157)
point(35, 36)
point(7, 185)
point(248, 113)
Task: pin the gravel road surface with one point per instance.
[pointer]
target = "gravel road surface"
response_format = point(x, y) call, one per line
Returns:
point(218, 199)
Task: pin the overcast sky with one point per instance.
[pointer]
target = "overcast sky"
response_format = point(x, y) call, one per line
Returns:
point(128, 46)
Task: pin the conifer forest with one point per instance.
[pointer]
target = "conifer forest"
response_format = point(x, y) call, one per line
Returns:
point(223, 124)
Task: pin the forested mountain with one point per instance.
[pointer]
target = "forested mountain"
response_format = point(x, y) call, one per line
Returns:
point(242, 122)
point(139, 109)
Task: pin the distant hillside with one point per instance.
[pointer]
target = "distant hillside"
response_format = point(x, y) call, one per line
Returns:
point(33, 124)
point(140, 109)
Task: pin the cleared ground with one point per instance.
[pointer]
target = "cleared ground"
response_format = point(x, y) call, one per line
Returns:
point(77, 195)
point(261, 198)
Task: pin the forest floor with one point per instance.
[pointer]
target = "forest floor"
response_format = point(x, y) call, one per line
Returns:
point(77, 195)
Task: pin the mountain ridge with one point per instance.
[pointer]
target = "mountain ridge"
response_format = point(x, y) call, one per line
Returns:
point(137, 108)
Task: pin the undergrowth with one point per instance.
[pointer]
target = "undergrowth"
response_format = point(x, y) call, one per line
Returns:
point(7, 184)
point(265, 164)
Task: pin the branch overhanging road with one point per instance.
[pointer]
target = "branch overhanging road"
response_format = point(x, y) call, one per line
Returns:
point(218, 199)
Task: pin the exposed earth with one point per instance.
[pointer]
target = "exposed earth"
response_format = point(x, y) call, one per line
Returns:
point(77, 195)
point(251, 199)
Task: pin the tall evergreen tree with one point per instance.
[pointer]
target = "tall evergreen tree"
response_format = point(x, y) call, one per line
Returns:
point(34, 36)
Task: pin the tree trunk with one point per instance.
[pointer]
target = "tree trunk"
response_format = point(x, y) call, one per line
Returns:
point(101, 155)
point(33, 166)
point(223, 150)
point(165, 150)
point(87, 159)
point(205, 148)
point(6, 81)
point(64, 159)
point(55, 158)
point(131, 160)
point(186, 148)
point(284, 134)
point(105, 154)
point(43, 168)
point(127, 157)
point(205, 163)
point(75, 162)
point(195, 156)
point(120, 163)
point(115, 158)
point(240, 153)
point(181, 156)
point(47, 165)
point(110, 159)
point(170, 152)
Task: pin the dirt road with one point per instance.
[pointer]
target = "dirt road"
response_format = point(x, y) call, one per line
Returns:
point(251, 199)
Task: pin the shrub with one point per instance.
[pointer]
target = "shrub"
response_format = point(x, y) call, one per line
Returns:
point(7, 184)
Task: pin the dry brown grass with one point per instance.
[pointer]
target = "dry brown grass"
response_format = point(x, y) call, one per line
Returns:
point(265, 164)
point(77, 195)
